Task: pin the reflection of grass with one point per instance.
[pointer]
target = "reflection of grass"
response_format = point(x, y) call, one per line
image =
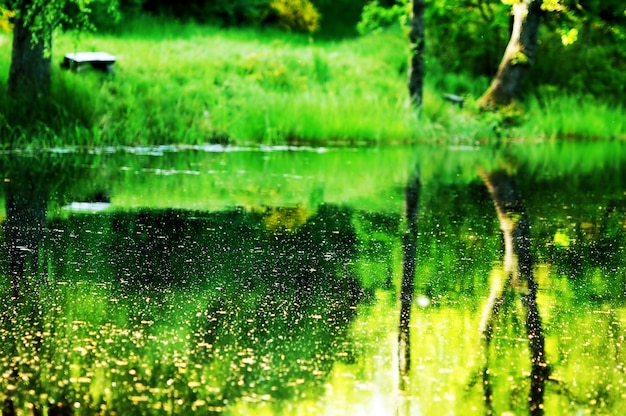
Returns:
point(369, 179)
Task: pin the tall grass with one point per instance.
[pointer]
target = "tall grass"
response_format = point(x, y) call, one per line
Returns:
point(191, 84)
point(238, 87)
point(574, 116)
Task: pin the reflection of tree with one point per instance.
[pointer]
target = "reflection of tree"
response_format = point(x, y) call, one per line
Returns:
point(412, 195)
point(29, 183)
point(518, 266)
point(26, 207)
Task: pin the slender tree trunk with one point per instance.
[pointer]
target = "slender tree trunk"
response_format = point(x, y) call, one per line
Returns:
point(518, 265)
point(412, 195)
point(416, 64)
point(30, 71)
point(518, 57)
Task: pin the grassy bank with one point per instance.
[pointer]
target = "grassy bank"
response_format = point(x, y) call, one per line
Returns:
point(193, 84)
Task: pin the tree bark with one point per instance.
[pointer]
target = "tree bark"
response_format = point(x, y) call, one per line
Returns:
point(416, 63)
point(519, 55)
point(30, 71)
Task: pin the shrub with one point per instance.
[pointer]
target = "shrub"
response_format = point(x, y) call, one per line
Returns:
point(376, 17)
point(5, 20)
point(339, 17)
point(594, 64)
point(294, 15)
point(226, 12)
point(108, 19)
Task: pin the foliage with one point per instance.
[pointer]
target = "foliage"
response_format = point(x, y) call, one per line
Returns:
point(468, 37)
point(376, 17)
point(105, 18)
point(5, 19)
point(41, 16)
point(608, 17)
point(339, 17)
point(594, 65)
point(226, 12)
point(292, 15)
point(296, 15)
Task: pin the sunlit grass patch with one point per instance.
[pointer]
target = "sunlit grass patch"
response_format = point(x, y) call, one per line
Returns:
point(196, 84)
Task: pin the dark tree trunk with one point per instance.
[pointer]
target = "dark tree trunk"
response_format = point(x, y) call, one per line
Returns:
point(416, 64)
point(412, 196)
point(518, 266)
point(518, 57)
point(30, 71)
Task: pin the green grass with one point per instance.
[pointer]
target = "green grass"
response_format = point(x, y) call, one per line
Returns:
point(570, 116)
point(187, 83)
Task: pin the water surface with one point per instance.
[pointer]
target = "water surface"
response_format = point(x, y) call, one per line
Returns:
point(269, 281)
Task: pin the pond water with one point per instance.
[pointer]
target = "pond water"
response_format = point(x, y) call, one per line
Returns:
point(315, 281)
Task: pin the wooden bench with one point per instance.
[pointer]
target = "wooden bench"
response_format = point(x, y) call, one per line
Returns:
point(98, 60)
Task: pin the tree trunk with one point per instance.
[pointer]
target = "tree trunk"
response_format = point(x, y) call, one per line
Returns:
point(416, 64)
point(518, 57)
point(30, 71)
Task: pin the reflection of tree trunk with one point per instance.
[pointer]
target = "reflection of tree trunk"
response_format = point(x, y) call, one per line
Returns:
point(25, 226)
point(412, 194)
point(518, 265)
point(26, 207)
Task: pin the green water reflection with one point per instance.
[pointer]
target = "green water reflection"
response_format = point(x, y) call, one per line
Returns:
point(269, 282)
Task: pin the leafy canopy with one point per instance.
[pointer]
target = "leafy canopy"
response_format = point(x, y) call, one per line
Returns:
point(5, 20)
point(41, 17)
